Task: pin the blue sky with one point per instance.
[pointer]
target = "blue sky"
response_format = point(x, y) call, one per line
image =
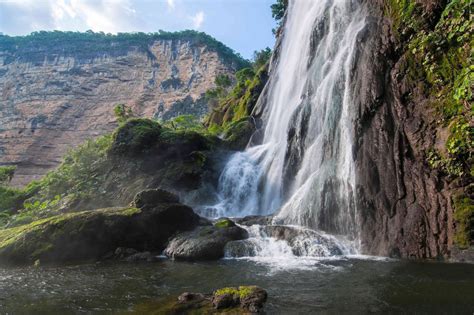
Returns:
point(243, 25)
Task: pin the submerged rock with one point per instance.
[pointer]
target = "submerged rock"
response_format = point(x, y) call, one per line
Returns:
point(205, 242)
point(89, 235)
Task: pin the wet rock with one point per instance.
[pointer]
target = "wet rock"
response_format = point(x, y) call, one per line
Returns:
point(231, 300)
point(254, 220)
point(248, 298)
point(204, 243)
point(143, 256)
point(305, 242)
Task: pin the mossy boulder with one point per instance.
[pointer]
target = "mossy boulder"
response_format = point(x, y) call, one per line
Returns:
point(231, 300)
point(248, 298)
point(90, 235)
point(224, 223)
point(205, 242)
point(135, 136)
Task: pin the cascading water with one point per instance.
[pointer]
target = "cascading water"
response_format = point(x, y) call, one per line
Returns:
point(303, 169)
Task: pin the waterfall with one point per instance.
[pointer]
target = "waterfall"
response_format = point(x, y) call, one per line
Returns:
point(303, 170)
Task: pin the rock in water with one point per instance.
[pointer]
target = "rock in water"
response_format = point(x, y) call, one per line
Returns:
point(205, 242)
point(231, 300)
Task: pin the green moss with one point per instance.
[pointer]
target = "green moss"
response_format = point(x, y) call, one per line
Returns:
point(135, 136)
point(242, 291)
point(224, 223)
point(11, 235)
point(464, 216)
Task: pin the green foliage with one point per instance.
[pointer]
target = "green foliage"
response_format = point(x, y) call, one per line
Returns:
point(91, 44)
point(278, 9)
point(6, 174)
point(185, 123)
point(76, 178)
point(278, 12)
point(135, 136)
point(441, 59)
point(464, 216)
point(261, 58)
point(123, 113)
point(241, 292)
point(223, 80)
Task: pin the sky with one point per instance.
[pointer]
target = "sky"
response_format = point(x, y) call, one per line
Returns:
point(243, 25)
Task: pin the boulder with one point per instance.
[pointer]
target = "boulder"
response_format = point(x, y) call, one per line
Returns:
point(248, 298)
point(205, 242)
point(255, 220)
point(152, 197)
point(231, 300)
point(90, 235)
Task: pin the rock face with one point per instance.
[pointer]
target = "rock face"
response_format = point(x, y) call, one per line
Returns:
point(57, 92)
point(90, 235)
point(405, 207)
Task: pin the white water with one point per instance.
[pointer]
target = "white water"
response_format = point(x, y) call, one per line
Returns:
point(303, 170)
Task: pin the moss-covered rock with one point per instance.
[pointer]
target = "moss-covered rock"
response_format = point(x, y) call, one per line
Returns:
point(89, 235)
point(224, 223)
point(231, 300)
point(135, 136)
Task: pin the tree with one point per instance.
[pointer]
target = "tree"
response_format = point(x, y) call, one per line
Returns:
point(278, 9)
point(260, 58)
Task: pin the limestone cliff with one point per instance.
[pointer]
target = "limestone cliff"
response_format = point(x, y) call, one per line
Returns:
point(58, 89)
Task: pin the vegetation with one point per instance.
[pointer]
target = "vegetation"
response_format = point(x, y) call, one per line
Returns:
point(230, 104)
point(224, 223)
point(242, 291)
point(92, 44)
point(76, 178)
point(464, 217)
point(278, 11)
point(438, 60)
point(123, 113)
point(6, 174)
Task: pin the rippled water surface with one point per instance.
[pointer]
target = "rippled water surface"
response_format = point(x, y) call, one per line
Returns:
point(334, 286)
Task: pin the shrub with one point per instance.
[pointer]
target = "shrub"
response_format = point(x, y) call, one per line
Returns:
point(135, 136)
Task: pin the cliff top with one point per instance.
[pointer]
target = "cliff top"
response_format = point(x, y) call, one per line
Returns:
point(91, 44)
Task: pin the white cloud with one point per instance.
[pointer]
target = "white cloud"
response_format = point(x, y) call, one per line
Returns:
point(110, 16)
point(198, 19)
point(171, 4)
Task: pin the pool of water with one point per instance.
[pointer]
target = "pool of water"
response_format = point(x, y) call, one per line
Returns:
point(349, 285)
